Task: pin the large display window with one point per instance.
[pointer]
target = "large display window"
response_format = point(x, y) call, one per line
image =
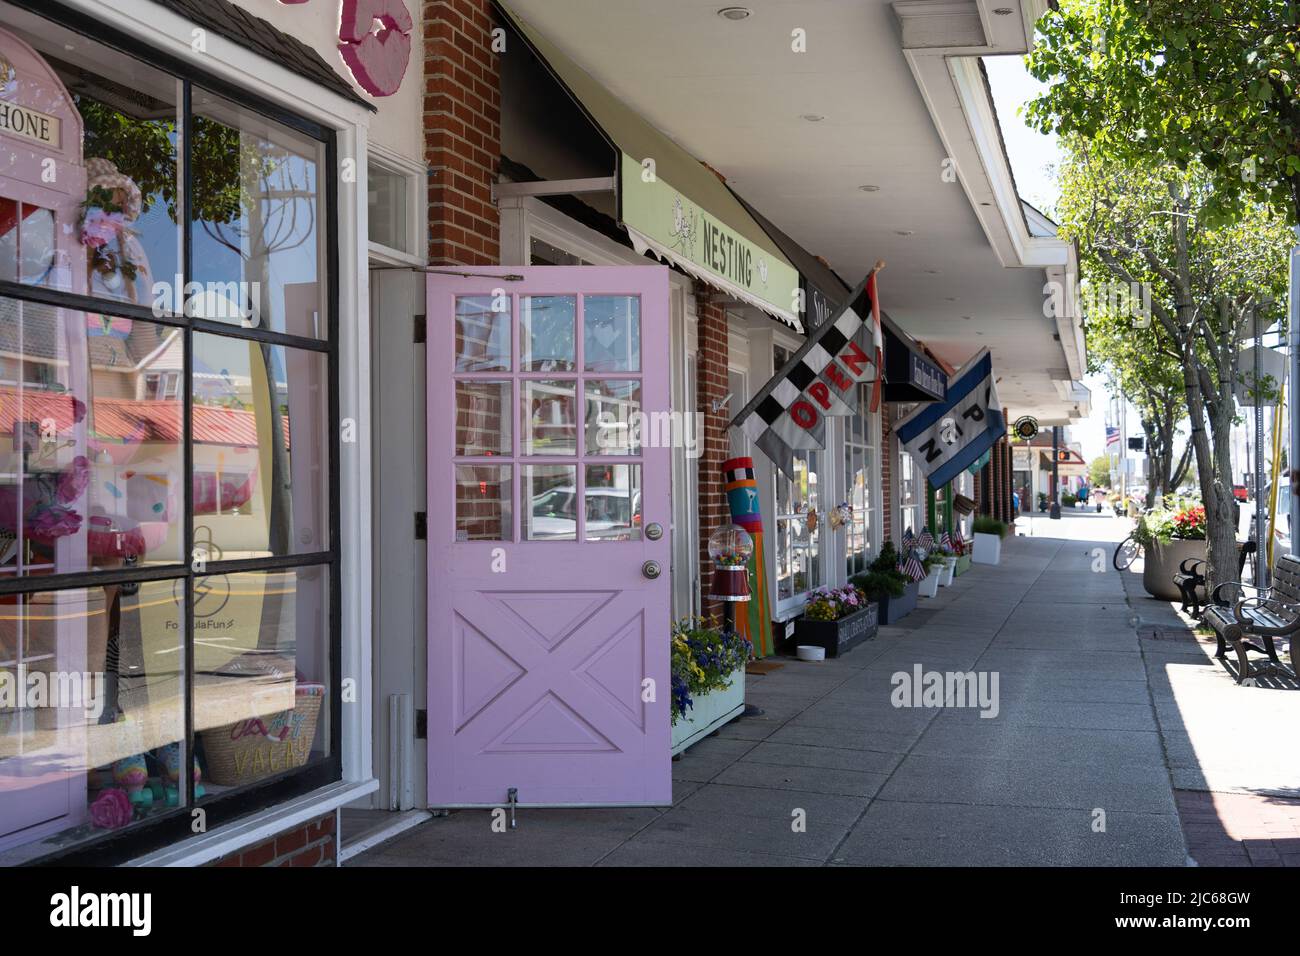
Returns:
point(168, 466)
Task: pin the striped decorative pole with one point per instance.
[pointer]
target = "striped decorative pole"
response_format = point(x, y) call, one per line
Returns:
point(742, 499)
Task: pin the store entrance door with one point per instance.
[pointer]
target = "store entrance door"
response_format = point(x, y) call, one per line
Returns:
point(548, 526)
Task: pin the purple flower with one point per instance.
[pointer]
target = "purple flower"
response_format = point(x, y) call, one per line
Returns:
point(54, 521)
point(74, 481)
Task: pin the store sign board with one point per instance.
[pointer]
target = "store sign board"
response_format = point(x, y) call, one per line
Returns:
point(669, 218)
point(30, 124)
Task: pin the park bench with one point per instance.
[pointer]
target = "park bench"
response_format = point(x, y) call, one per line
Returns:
point(1190, 577)
point(1265, 613)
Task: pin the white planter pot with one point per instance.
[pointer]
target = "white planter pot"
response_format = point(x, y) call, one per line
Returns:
point(930, 586)
point(709, 712)
point(988, 548)
point(945, 576)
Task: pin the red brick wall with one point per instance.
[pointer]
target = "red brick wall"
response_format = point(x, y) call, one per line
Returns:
point(711, 383)
point(312, 844)
point(462, 129)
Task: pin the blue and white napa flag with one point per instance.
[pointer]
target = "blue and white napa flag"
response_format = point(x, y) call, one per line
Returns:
point(944, 438)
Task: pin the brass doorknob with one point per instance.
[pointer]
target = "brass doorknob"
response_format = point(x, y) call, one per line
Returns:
point(651, 569)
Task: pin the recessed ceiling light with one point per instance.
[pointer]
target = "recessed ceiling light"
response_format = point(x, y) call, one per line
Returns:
point(966, 317)
point(932, 272)
point(1002, 11)
point(870, 189)
point(812, 117)
point(952, 298)
point(904, 232)
point(986, 204)
point(736, 13)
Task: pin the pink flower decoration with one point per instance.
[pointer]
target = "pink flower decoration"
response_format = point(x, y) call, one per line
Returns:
point(111, 810)
point(99, 227)
point(56, 521)
point(74, 481)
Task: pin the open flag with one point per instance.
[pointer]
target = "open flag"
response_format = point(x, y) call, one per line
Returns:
point(877, 339)
point(821, 379)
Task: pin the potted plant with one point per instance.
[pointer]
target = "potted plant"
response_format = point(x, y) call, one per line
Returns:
point(892, 591)
point(949, 555)
point(837, 619)
point(1169, 535)
point(934, 566)
point(1042, 501)
point(708, 679)
point(988, 536)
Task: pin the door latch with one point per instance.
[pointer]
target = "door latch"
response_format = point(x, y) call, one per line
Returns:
point(512, 799)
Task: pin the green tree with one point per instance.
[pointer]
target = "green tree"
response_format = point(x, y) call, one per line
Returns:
point(1099, 472)
point(1205, 83)
point(1146, 227)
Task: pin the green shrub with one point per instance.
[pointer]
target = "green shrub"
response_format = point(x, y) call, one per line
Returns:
point(986, 524)
point(877, 585)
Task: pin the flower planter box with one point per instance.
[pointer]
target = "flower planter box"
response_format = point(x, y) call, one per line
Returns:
point(947, 572)
point(988, 548)
point(893, 609)
point(930, 586)
point(962, 566)
point(1161, 562)
point(838, 636)
point(709, 712)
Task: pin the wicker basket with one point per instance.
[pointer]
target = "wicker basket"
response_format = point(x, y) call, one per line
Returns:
point(249, 750)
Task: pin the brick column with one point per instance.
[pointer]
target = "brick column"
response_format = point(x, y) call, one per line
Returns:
point(886, 470)
point(711, 383)
point(1007, 463)
point(462, 131)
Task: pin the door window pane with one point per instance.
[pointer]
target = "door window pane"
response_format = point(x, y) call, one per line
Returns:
point(550, 417)
point(614, 423)
point(387, 204)
point(552, 495)
point(546, 337)
point(482, 333)
point(91, 459)
point(89, 746)
point(483, 419)
point(261, 648)
point(258, 224)
point(611, 333)
point(261, 449)
point(484, 498)
point(613, 496)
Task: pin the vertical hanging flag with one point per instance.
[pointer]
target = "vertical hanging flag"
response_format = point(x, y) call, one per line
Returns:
point(877, 338)
point(742, 499)
point(946, 437)
point(789, 412)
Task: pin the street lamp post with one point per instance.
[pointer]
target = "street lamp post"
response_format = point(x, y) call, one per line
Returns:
point(1055, 514)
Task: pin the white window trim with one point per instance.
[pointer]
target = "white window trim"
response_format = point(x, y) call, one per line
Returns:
point(417, 220)
point(171, 33)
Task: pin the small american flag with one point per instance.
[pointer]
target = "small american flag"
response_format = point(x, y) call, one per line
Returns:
point(958, 543)
point(1112, 435)
point(926, 540)
point(912, 567)
point(945, 541)
point(907, 540)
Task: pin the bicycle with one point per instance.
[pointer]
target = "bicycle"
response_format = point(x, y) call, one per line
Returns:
point(1126, 552)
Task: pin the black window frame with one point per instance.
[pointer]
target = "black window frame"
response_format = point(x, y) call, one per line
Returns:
point(175, 825)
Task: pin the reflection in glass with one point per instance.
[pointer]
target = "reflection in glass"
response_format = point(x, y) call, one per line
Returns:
point(261, 649)
point(613, 496)
point(90, 456)
point(88, 739)
point(258, 227)
point(261, 449)
point(482, 333)
point(549, 411)
point(552, 493)
point(613, 425)
point(546, 324)
point(611, 336)
point(483, 420)
point(484, 497)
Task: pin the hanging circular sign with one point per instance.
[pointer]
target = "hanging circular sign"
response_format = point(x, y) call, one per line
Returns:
point(1026, 427)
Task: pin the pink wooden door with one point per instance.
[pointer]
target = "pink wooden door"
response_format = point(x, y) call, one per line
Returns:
point(549, 511)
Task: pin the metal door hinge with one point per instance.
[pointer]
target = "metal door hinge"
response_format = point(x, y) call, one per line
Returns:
point(421, 329)
point(421, 525)
point(421, 725)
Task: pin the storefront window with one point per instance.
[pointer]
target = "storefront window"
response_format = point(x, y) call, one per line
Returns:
point(860, 465)
point(157, 470)
point(798, 522)
point(909, 495)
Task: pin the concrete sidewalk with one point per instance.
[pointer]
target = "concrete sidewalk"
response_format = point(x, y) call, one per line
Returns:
point(1071, 771)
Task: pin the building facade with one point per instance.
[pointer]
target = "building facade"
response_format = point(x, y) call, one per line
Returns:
point(353, 390)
